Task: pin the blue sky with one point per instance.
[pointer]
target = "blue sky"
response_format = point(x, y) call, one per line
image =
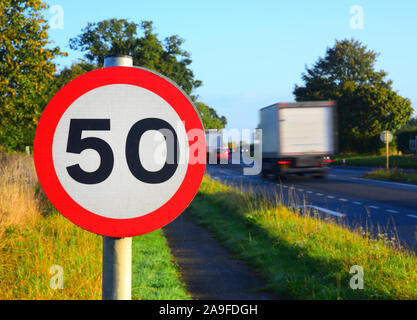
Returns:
point(250, 54)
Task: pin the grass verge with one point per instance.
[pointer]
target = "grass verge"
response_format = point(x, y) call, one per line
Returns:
point(38, 246)
point(392, 175)
point(404, 162)
point(304, 256)
point(155, 276)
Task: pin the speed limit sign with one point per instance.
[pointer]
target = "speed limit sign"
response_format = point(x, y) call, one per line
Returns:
point(115, 151)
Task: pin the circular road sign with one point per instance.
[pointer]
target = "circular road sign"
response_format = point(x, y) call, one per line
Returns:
point(115, 151)
point(384, 135)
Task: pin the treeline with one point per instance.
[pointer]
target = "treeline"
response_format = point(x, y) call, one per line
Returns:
point(29, 77)
point(367, 102)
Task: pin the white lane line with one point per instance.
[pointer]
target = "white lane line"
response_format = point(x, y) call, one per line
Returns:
point(392, 211)
point(285, 186)
point(385, 182)
point(331, 197)
point(309, 191)
point(412, 216)
point(373, 207)
point(319, 194)
point(333, 213)
point(358, 203)
point(343, 199)
point(300, 190)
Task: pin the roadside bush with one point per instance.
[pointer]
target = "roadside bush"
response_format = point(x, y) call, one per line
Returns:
point(403, 139)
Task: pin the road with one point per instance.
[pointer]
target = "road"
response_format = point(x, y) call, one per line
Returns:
point(377, 206)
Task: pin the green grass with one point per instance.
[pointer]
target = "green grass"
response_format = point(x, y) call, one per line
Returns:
point(155, 276)
point(27, 253)
point(304, 257)
point(392, 175)
point(405, 162)
point(34, 237)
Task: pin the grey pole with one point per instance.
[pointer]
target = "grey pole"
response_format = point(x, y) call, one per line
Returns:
point(117, 252)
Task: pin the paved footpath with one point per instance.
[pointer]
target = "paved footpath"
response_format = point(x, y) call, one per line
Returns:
point(208, 269)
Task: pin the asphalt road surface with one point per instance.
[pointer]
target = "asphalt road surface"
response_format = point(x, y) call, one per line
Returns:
point(378, 206)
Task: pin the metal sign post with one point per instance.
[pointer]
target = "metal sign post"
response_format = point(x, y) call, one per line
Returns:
point(387, 149)
point(386, 136)
point(117, 252)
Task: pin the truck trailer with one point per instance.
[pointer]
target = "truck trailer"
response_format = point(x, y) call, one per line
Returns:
point(298, 138)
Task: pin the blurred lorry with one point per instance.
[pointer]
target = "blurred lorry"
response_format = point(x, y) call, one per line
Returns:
point(298, 138)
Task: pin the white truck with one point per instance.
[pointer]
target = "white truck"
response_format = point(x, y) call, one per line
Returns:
point(298, 138)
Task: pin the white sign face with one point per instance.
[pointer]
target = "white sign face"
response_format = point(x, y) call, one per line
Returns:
point(384, 135)
point(104, 116)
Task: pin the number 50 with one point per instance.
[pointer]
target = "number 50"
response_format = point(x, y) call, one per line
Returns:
point(76, 145)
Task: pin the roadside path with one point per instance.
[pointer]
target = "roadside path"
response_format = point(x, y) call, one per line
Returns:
point(208, 269)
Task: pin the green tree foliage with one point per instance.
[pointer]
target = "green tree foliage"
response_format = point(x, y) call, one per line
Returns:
point(68, 74)
point(411, 123)
point(209, 117)
point(367, 104)
point(118, 36)
point(114, 36)
point(26, 70)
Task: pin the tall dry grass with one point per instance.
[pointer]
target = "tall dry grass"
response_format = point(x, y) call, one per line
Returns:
point(18, 201)
point(32, 242)
point(35, 239)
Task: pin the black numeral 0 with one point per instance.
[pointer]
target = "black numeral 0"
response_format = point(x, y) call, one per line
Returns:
point(132, 151)
point(77, 145)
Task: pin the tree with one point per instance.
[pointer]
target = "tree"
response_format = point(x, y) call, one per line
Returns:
point(26, 70)
point(118, 36)
point(209, 117)
point(367, 104)
point(68, 74)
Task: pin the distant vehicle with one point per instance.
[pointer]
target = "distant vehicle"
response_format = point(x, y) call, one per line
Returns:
point(214, 140)
point(298, 138)
point(222, 153)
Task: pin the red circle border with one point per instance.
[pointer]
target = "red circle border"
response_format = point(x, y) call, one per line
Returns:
point(46, 171)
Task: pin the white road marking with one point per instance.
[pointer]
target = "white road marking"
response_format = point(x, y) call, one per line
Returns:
point(309, 191)
point(331, 197)
point(392, 211)
point(319, 194)
point(333, 213)
point(358, 203)
point(374, 207)
point(300, 189)
point(412, 216)
point(386, 182)
point(343, 199)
